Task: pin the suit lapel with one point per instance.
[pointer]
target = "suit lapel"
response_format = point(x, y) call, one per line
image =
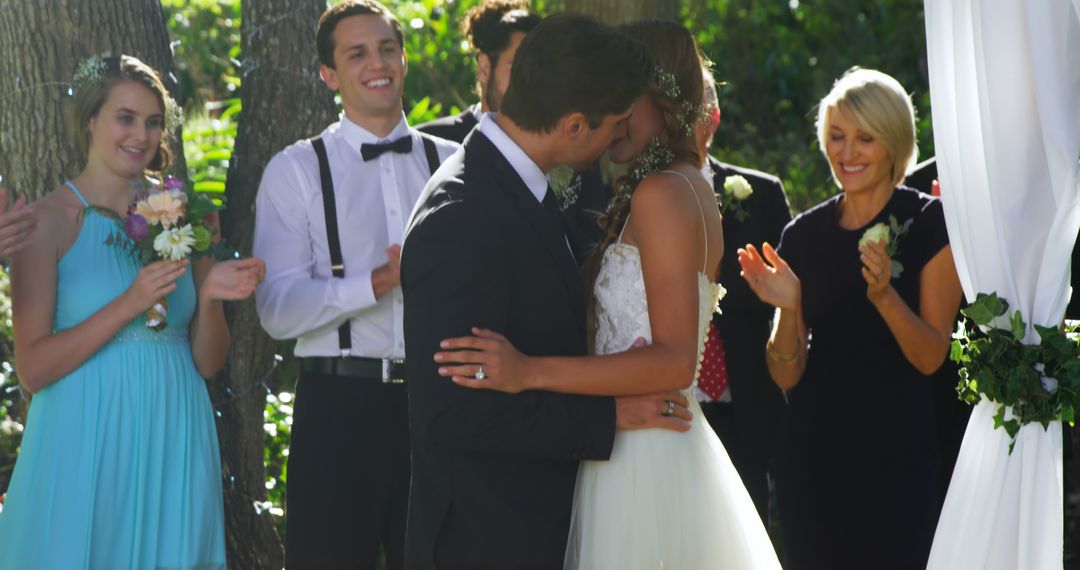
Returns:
point(549, 230)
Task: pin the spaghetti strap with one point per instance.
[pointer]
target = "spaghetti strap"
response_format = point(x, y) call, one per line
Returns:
point(77, 193)
point(623, 230)
point(704, 227)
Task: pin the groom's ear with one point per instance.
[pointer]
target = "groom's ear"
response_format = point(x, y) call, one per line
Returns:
point(573, 125)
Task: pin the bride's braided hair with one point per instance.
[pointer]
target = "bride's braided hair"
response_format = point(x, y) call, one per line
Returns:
point(677, 90)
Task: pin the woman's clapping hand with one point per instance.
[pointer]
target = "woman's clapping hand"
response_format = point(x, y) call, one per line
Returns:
point(769, 276)
point(233, 280)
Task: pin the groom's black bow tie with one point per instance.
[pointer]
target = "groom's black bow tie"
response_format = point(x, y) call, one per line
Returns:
point(400, 146)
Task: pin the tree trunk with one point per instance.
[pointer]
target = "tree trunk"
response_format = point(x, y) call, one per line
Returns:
point(618, 11)
point(283, 100)
point(42, 42)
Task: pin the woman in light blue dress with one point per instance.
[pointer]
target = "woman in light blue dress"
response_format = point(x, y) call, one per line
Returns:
point(119, 465)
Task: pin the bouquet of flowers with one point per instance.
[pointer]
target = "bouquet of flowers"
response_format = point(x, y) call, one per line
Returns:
point(169, 221)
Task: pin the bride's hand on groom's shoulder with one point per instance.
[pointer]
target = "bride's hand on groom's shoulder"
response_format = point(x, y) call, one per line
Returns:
point(770, 277)
point(666, 410)
point(486, 360)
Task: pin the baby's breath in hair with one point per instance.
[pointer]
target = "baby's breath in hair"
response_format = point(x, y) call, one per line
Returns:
point(91, 70)
point(688, 117)
point(689, 113)
point(666, 82)
point(655, 157)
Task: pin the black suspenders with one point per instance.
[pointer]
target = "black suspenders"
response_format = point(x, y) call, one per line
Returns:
point(333, 242)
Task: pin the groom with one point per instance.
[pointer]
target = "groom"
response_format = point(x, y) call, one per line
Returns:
point(493, 473)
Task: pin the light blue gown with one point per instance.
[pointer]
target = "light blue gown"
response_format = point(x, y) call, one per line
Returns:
point(119, 466)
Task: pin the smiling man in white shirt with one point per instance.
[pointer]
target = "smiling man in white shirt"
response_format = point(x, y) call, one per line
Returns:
point(330, 217)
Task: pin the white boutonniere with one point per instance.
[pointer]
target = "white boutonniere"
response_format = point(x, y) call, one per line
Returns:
point(566, 183)
point(890, 233)
point(736, 189)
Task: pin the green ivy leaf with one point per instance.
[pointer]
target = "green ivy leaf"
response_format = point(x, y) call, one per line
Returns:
point(956, 352)
point(1068, 415)
point(1019, 328)
point(985, 308)
point(1012, 427)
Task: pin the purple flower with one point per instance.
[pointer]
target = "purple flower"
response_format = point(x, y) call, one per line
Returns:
point(173, 183)
point(135, 227)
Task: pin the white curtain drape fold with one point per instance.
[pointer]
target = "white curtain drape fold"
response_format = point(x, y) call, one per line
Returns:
point(1005, 94)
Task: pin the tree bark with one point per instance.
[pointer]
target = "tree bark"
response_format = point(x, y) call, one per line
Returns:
point(283, 100)
point(42, 42)
point(618, 11)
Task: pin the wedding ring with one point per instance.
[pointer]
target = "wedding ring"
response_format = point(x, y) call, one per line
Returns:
point(480, 374)
point(670, 411)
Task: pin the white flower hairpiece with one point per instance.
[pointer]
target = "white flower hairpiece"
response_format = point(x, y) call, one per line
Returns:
point(90, 70)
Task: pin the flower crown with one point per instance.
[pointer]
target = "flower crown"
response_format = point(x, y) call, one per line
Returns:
point(94, 69)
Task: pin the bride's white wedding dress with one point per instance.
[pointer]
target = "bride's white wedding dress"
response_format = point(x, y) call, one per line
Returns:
point(665, 499)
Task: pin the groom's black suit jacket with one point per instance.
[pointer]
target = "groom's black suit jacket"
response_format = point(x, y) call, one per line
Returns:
point(492, 474)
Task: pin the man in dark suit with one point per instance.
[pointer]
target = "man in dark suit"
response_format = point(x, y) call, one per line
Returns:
point(493, 473)
point(495, 29)
point(737, 395)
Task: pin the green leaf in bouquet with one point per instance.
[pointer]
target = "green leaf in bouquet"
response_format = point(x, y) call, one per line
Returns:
point(199, 207)
point(894, 225)
point(1068, 414)
point(897, 269)
point(203, 237)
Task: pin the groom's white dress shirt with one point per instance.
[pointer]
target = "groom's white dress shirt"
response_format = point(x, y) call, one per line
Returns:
point(529, 172)
point(300, 298)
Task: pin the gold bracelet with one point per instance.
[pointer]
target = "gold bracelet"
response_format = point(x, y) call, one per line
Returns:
point(780, 358)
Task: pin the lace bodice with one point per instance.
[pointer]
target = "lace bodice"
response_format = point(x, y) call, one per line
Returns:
point(622, 311)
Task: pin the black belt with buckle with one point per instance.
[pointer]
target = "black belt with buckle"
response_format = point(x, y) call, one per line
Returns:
point(389, 370)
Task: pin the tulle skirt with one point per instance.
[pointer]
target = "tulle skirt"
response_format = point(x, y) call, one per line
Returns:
point(666, 500)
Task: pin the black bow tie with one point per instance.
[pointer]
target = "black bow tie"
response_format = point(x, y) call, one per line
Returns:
point(400, 146)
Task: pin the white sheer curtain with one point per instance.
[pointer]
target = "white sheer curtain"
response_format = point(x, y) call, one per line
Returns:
point(1005, 94)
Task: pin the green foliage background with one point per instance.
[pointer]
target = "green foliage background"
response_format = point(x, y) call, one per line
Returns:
point(777, 59)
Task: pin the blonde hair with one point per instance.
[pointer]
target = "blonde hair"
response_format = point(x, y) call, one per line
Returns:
point(879, 105)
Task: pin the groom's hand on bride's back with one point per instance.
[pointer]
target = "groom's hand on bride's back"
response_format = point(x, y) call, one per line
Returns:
point(666, 410)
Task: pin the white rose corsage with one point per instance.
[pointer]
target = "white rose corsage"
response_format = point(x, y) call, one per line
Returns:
point(736, 190)
point(890, 233)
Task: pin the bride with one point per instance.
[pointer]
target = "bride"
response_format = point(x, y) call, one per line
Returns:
point(664, 499)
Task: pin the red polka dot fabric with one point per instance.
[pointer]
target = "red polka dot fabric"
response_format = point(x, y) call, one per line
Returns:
point(713, 380)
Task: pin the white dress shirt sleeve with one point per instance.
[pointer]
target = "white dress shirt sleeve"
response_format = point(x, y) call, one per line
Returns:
point(294, 300)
